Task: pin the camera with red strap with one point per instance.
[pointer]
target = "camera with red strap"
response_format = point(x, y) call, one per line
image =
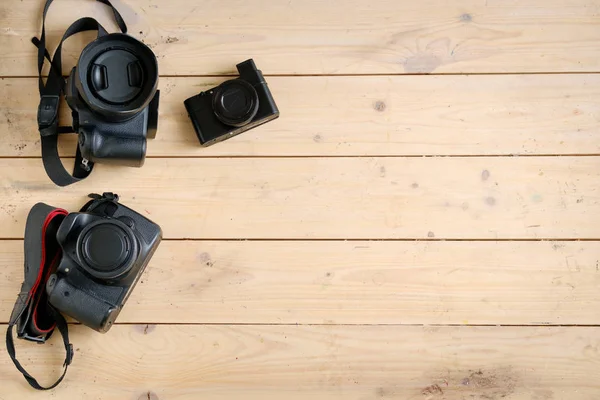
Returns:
point(35, 319)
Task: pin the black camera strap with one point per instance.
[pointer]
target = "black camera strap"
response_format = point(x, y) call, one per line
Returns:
point(34, 318)
point(51, 92)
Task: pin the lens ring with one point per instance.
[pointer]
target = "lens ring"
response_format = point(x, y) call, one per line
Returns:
point(235, 102)
point(107, 249)
point(117, 76)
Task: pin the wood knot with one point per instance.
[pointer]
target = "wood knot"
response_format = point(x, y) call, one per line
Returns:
point(148, 396)
point(379, 106)
point(466, 17)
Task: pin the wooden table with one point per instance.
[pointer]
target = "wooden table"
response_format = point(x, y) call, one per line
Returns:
point(421, 222)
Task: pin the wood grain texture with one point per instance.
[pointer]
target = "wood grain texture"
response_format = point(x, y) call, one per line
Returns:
point(321, 37)
point(356, 283)
point(337, 198)
point(399, 115)
point(143, 362)
point(334, 319)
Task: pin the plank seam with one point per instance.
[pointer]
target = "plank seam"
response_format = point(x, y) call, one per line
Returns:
point(380, 74)
point(505, 155)
point(363, 239)
point(536, 325)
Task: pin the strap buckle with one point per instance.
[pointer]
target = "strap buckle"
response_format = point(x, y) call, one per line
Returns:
point(85, 164)
point(69, 356)
point(36, 339)
point(47, 116)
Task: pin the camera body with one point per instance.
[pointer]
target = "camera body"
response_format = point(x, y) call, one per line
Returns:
point(233, 107)
point(114, 98)
point(104, 252)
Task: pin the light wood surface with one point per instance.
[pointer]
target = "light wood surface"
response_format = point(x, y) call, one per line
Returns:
point(396, 115)
point(327, 37)
point(333, 198)
point(421, 223)
point(357, 282)
point(320, 362)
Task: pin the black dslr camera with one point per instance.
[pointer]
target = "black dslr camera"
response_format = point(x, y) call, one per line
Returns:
point(113, 94)
point(232, 107)
point(105, 249)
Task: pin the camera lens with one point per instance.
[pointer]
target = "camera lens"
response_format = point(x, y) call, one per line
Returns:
point(117, 76)
point(235, 102)
point(107, 249)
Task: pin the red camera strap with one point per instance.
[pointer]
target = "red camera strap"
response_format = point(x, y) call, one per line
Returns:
point(33, 317)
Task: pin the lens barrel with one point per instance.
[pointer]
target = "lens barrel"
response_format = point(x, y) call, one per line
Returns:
point(107, 249)
point(235, 102)
point(117, 76)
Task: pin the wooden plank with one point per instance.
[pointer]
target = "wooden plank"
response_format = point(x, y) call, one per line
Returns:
point(356, 283)
point(316, 37)
point(333, 198)
point(426, 115)
point(317, 362)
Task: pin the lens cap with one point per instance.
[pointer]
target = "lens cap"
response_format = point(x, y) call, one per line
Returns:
point(117, 76)
point(235, 102)
point(107, 249)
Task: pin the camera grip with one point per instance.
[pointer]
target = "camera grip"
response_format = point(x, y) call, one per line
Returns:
point(111, 148)
point(80, 305)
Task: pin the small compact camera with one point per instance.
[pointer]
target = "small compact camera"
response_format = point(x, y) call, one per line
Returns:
point(113, 94)
point(232, 107)
point(104, 252)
